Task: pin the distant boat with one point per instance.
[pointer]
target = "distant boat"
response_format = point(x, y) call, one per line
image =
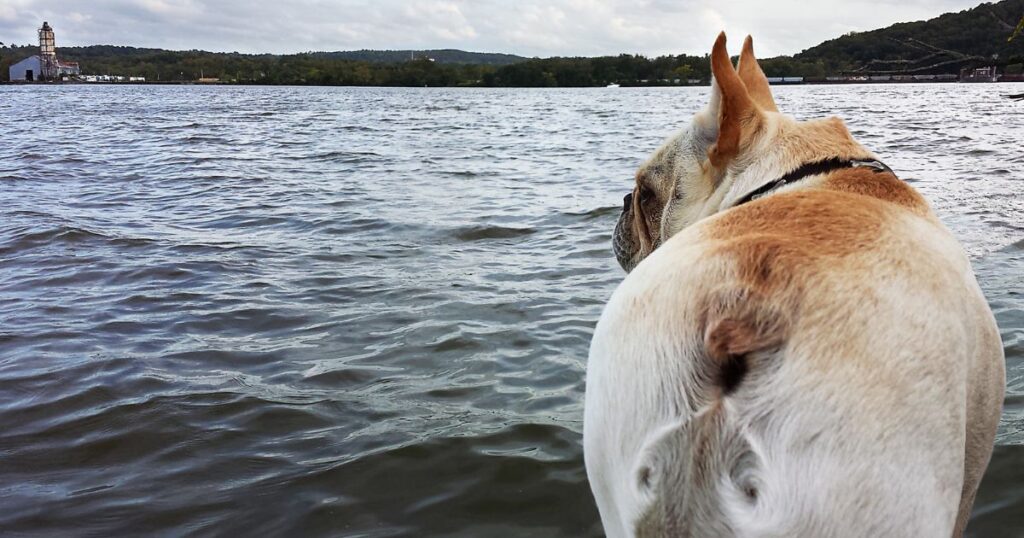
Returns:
point(981, 74)
point(612, 85)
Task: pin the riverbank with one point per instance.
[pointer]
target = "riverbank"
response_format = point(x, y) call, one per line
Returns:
point(844, 82)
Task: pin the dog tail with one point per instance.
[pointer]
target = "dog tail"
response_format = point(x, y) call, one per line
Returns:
point(701, 473)
point(739, 328)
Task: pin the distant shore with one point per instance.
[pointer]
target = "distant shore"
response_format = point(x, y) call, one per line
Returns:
point(622, 85)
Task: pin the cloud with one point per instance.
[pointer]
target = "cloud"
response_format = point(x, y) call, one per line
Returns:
point(527, 27)
point(442, 20)
point(180, 9)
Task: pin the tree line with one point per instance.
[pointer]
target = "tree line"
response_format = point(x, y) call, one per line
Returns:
point(945, 44)
point(323, 69)
point(318, 69)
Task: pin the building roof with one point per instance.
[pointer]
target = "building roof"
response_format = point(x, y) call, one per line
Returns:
point(34, 56)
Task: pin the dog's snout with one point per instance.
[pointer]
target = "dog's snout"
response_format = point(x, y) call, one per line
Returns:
point(627, 201)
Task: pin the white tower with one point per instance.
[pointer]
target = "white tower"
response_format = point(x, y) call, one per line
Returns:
point(47, 53)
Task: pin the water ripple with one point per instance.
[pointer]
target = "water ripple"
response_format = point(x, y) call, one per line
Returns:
point(370, 308)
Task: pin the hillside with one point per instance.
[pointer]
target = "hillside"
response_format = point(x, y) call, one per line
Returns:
point(319, 68)
point(444, 56)
point(942, 45)
point(939, 45)
point(444, 67)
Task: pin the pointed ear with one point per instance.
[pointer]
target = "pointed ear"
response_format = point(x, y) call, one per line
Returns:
point(753, 78)
point(738, 116)
point(706, 121)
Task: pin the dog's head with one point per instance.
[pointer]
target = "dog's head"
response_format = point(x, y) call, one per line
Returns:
point(737, 142)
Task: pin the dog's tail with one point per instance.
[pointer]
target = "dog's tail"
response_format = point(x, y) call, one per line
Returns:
point(739, 328)
point(702, 473)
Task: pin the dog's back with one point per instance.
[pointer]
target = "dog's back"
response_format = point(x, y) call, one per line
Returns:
point(796, 366)
point(801, 348)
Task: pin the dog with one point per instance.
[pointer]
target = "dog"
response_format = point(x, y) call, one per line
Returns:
point(800, 348)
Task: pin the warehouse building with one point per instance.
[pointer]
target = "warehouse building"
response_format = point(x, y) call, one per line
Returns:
point(45, 65)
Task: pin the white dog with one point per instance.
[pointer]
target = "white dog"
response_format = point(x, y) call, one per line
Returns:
point(800, 348)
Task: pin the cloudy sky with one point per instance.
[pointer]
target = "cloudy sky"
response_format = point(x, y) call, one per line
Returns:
point(525, 27)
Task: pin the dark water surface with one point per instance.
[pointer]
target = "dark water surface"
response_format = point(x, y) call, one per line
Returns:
point(366, 312)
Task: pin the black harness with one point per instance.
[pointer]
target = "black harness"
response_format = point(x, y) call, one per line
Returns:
point(811, 169)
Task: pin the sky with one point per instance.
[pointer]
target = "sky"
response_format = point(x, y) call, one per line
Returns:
point(526, 27)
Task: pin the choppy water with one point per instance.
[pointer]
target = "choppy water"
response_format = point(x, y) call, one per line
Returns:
point(366, 312)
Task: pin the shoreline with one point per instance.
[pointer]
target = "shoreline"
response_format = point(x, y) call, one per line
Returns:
point(802, 83)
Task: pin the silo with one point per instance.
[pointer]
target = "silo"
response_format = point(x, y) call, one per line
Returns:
point(47, 53)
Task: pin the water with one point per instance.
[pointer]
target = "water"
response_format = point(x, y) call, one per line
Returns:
point(366, 312)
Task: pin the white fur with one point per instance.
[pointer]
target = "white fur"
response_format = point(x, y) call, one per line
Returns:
point(868, 421)
point(843, 452)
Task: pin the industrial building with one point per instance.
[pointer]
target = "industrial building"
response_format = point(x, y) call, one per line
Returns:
point(45, 65)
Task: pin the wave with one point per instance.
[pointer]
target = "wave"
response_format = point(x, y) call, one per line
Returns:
point(484, 233)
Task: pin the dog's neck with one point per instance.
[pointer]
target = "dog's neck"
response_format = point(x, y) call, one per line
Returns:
point(813, 168)
point(790, 151)
point(867, 177)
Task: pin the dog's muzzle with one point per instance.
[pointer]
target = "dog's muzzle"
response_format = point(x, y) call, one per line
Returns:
point(623, 243)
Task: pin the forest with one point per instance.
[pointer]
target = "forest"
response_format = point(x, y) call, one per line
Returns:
point(945, 44)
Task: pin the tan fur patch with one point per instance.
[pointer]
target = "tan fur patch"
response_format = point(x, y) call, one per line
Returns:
point(780, 238)
point(736, 324)
point(731, 337)
point(883, 186)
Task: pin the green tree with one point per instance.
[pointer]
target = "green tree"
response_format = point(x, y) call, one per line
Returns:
point(683, 72)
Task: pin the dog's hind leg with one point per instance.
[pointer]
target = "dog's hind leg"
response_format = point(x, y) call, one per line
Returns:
point(696, 474)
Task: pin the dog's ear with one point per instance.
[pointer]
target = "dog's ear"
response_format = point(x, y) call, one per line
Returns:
point(738, 115)
point(753, 78)
point(706, 121)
